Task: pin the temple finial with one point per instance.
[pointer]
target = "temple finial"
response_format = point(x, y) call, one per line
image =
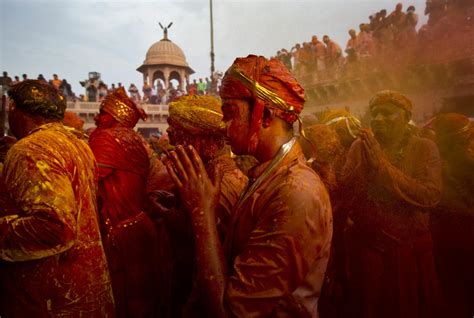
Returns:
point(165, 30)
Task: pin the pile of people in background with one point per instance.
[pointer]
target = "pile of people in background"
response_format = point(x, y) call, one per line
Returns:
point(385, 37)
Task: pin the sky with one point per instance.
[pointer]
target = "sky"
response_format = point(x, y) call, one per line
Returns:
point(74, 37)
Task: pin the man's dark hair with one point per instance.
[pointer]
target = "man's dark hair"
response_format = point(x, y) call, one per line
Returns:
point(39, 99)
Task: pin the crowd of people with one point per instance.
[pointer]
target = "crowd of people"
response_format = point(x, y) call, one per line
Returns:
point(162, 95)
point(62, 85)
point(97, 90)
point(385, 37)
point(241, 209)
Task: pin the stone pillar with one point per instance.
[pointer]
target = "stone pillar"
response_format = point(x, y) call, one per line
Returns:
point(166, 74)
point(182, 75)
point(150, 72)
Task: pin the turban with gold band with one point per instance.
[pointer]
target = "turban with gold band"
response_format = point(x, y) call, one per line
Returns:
point(391, 97)
point(269, 84)
point(341, 118)
point(197, 114)
point(38, 98)
point(122, 108)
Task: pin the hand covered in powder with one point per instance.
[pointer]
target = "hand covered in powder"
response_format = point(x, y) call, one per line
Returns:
point(372, 150)
point(199, 194)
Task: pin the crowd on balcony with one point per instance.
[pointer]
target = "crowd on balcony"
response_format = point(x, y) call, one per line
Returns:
point(60, 84)
point(95, 91)
point(159, 94)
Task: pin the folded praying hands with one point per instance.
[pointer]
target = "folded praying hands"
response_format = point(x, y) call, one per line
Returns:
point(199, 194)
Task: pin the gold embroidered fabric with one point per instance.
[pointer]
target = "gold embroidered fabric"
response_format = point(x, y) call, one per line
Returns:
point(198, 114)
point(122, 108)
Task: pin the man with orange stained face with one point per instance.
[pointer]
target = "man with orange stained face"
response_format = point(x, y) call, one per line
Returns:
point(53, 262)
point(274, 257)
point(197, 121)
point(334, 145)
point(129, 236)
point(395, 177)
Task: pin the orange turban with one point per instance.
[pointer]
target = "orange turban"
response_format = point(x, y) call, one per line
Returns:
point(269, 84)
point(453, 125)
point(122, 108)
point(392, 97)
point(73, 120)
point(326, 142)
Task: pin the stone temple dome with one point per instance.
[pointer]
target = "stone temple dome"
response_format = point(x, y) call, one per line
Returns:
point(165, 61)
point(165, 52)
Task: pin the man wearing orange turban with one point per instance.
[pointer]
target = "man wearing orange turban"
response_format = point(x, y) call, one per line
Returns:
point(270, 86)
point(129, 236)
point(395, 179)
point(453, 222)
point(195, 120)
point(274, 256)
point(346, 129)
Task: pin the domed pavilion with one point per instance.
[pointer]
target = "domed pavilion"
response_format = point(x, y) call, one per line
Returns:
point(166, 61)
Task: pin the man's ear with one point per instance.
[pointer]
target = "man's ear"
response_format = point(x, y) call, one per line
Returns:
point(267, 117)
point(407, 116)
